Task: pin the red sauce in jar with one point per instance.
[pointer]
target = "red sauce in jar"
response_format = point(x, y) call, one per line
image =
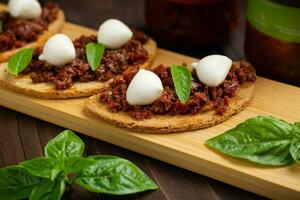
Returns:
point(273, 51)
point(273, 58)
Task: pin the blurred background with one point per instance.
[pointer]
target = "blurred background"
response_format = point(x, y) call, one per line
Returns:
point(92, 13)
point(269, 37)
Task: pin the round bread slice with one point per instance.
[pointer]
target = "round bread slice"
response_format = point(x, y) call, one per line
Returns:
point(53, 28)
point(172, 123)
point(23, 83)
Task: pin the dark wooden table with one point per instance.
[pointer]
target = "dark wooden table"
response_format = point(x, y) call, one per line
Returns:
point(23, 137)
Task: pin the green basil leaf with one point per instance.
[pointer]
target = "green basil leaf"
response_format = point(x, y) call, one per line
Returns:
point(43, 167)
point(16, 183)
point(297, 129)
point(182, 81)
point(50, 190)
point(295, 150)
point(263, 140)
point(76, 164)
point(19, 61)
point(1, 26)
point(113, 175)
point(65, 145)
point(94, 53)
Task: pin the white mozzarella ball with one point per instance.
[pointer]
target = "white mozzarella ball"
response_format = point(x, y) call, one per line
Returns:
point(114, 34)
point(58, 50)
point(27, 9)
point(144, 89)
point(212, 70)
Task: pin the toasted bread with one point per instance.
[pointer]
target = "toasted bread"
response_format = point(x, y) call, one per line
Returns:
point(172, 123)
point(23, 83)
point(53, 28)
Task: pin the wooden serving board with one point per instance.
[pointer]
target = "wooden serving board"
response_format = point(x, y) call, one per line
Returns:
point(186, 150)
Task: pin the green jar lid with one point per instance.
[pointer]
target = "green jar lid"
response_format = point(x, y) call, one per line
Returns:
point(275, 19)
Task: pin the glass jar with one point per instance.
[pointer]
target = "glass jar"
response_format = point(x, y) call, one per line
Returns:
point(272, 42)
point(192, 23)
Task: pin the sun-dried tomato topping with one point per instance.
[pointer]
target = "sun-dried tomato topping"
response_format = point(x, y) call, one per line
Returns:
point(113, 63)
point(18, 32)
point(201, 97)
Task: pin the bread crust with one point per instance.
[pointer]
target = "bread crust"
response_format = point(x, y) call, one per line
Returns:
point(23, 84)
point(172, 123)
point(53, 28)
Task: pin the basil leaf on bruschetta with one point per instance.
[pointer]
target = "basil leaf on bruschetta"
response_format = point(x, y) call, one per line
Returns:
point(182, 81)
point(94, 53)
point(19, 61)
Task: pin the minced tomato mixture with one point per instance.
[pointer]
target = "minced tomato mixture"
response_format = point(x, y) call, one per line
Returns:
point(17, 32)
point(113, 63)
point(201, 98)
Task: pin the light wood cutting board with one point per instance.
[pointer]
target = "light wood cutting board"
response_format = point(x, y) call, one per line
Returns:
point(186, 150)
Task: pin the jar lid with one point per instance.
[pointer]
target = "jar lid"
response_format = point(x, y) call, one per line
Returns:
point(275, 19)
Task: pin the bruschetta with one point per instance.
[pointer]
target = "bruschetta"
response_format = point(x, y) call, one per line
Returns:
point(205, 106)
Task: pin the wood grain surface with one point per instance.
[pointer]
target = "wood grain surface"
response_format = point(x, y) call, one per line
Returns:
point(23, 137)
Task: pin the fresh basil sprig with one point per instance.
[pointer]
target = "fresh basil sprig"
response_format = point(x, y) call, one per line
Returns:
point(19, 61)
point(47, 177)
point(181, 77)
point(94, 53)
point(264, 140)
